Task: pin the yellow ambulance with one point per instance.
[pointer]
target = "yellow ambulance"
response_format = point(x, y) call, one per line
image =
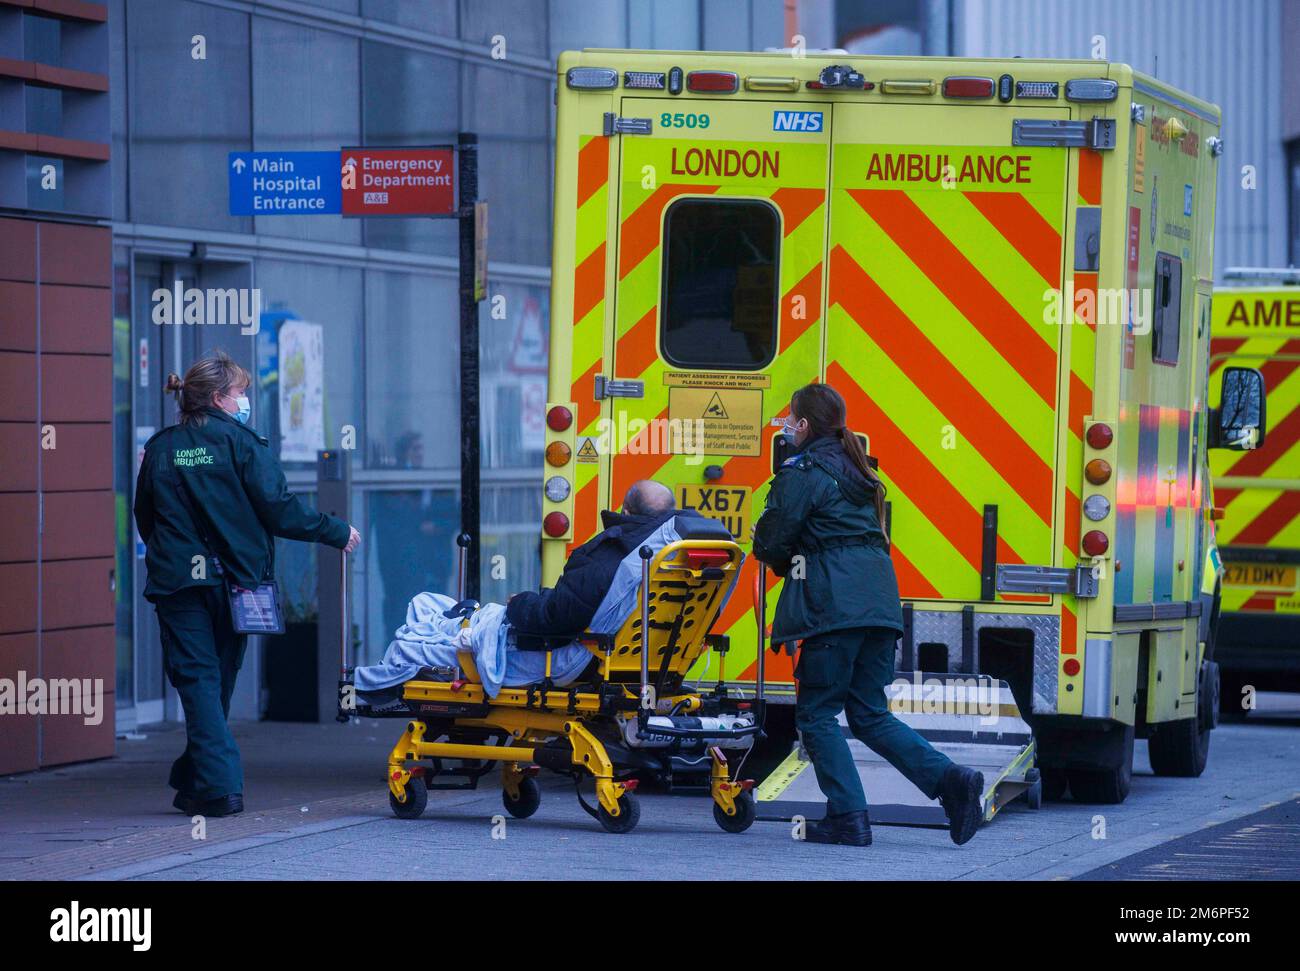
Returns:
point(953, 245)
point(1256, 324)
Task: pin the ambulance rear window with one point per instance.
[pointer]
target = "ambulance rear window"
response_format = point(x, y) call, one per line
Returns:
point(1168, 309)
point(720, 283)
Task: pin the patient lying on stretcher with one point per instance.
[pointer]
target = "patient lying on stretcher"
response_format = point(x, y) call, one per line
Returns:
point(597, 591)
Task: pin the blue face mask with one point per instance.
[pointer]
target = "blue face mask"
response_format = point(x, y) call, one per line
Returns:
point(245, 409)
point(789, 433)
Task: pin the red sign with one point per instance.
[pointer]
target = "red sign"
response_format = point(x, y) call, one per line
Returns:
point(399, 181)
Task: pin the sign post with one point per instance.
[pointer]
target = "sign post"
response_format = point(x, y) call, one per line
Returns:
point(470, 293)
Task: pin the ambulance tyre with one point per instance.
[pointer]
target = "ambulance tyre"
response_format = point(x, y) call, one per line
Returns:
point(627, 818)
point(1109, 785)
point(417, 797)
point(530, 797)
point(1055, 784)
point(746, 813)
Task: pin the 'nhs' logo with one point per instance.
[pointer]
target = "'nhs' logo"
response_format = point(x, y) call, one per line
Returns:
point(796, 121)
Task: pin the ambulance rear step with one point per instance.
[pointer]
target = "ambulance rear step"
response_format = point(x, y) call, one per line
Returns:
point(971, 719)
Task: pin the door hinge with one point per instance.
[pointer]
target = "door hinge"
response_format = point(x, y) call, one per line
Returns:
point(1097, 133)
point(614, 125)
point(1023, 578)
point(610, 388)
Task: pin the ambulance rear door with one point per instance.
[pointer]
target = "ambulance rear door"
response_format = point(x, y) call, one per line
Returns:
point(718, 306)
point(946, 239)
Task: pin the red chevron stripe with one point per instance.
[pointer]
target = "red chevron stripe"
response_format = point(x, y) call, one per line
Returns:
point(912, 584)
point(978, 300)
point(593, 168)
point(1276, 371)
point(796, 205)
point(585, 518)
point(929, 490)
point(1090, 176)
point(637, 349)
point(583, 393)
point(639, 234)
point(589, 283)
point(942, 383)
point(1275, 517)
point(810, 288)
point(1277, 440)
point(632, 462)
point(1023, 226)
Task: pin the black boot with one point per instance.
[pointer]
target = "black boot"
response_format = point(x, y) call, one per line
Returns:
point(960, 794)
point(186, 803)
point(221, 806)
point(848, 829)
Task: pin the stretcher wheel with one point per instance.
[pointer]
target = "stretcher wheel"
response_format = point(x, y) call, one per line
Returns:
point(626, 820)
point(1034, 794)
point(530, 797)
point(417, 797)
point(746, 812)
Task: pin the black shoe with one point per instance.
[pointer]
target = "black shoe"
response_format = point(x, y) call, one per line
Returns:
point(848, 829)
point(960, 794)
point(186, 803)
point(221, 806)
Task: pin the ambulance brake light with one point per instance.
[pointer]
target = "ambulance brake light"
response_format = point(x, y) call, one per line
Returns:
point(559, 418)
point(712, 82)
point(964, 87)
point(1070, 667)
point(1095, 542)
point(555, 524)
point(1100, 436)
point(591, 78)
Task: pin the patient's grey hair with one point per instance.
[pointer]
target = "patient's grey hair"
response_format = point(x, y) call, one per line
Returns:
point(648, 498)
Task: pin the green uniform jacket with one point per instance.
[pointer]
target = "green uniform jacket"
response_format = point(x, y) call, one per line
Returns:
point(237, 487)
point(821, 507)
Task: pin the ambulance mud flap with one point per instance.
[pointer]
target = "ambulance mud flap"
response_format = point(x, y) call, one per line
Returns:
point(971, 719)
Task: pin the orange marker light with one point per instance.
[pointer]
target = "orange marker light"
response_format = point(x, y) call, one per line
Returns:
point(1097, 471)
point(558, 453)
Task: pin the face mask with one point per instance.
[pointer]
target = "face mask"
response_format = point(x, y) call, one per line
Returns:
point(245, 409)
point(789, 432)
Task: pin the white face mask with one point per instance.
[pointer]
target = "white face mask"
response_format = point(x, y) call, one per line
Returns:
point(790, 433)
point(243, 408)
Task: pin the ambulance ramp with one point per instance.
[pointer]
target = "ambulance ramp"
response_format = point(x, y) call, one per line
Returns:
point(971, 719)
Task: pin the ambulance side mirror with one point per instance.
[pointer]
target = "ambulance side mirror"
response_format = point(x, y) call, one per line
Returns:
point(1238, 423)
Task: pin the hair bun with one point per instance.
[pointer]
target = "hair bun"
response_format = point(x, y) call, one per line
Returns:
point(174, 383)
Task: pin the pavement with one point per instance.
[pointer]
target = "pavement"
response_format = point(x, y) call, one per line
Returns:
point(317, 809)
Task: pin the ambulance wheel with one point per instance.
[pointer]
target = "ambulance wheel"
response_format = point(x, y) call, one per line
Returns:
point(1179, 748)
point(417, 797)
point(746, 813)
point(1055, 784)
point(1107, 785)
point(626, 820)
point(530, 797)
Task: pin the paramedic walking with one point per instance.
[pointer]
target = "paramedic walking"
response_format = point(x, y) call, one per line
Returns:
point(821, 531)
point(209, 501)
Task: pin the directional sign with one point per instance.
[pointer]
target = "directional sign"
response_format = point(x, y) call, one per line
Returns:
point(399, 181)
point(284, 183)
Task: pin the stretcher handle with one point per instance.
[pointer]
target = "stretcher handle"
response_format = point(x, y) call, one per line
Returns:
point(760, 608)
point(463, 541)
point(646, 553)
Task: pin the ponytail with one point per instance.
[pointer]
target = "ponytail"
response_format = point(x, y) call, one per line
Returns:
point(824, 409)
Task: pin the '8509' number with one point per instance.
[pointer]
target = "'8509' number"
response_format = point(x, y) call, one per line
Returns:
point(682, 119)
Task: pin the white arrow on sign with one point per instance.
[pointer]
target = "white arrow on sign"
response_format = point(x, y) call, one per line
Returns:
point(350, 163)
point(238, 165)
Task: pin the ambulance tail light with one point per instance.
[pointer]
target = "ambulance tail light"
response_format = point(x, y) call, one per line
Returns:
point(964, 87)
point(558, 454)
point(559, 418)
point(1097, 471)
point(1100, 436)
point(591, 78)
point(713, 82)
point(1091, 89)
point(1095, 542)
point(1071, 667)
point(555, 524)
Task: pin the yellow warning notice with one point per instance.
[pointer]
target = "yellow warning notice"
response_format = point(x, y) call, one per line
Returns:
point(710, 379)
point(587, 451)
point(731, 418)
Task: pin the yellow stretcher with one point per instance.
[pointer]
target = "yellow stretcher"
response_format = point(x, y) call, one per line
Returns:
point(628, 715)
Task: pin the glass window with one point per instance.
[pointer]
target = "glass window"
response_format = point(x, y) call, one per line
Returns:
point(308, 293)
point(187, 114)
point(522, 26)
point(1168, 309)
point(44, 110)
point(514, 342)
point(720, 283)
point(511, 551)
point(433, 16)
point(294, 111)
point(412, 540)
point(412, 371)
point(42, 39)
point(411, 99)
point(117, 105)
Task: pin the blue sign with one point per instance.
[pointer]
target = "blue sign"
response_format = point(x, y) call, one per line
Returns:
point(810, 121)
point(285, 183)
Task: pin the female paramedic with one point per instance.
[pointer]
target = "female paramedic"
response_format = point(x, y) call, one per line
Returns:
point(821, 531)
point(209, 500)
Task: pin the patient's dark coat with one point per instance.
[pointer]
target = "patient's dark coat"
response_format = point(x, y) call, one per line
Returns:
point(568, 607)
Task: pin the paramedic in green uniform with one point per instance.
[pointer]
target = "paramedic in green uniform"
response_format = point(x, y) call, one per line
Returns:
point(821, 531)
point(233, 484)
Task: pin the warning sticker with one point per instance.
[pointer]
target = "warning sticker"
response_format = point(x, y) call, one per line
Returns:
point(731, 418)
point(1140, 158)
point(587, 451)
point(707, 379)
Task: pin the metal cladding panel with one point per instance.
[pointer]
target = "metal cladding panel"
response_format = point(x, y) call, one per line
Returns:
point(1226, 53)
